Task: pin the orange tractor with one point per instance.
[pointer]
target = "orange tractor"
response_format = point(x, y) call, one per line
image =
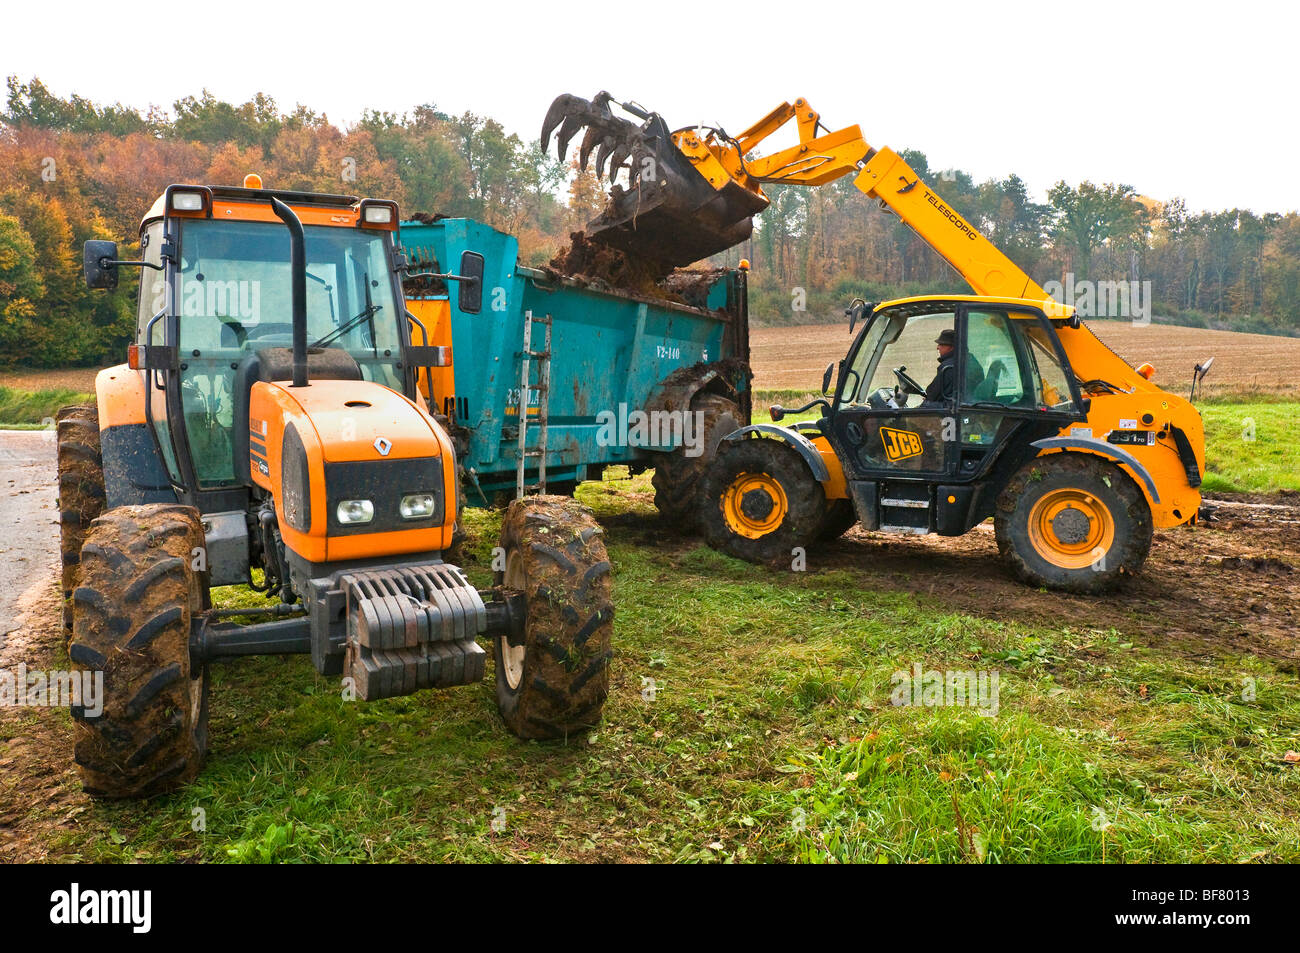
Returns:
point(269, 430)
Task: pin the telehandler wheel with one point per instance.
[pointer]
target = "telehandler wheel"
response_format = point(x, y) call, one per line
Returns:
point(555, 683)
point(759, 501)
point(81, 491)
point(132, 608)
point(677, 477)
point(839, 519)
point(1073, 521)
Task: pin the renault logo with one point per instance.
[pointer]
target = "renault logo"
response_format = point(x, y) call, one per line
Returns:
point(383, 445)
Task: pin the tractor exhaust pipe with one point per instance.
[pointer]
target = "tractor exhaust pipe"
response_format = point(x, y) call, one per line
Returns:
point(298, 277)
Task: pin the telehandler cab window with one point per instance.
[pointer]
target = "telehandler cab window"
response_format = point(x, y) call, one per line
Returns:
point(908, 343)
point(993, 341)
point(234, 297)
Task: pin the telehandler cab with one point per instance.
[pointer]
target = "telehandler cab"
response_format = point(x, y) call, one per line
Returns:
point(268, 431)
point(1036, 423)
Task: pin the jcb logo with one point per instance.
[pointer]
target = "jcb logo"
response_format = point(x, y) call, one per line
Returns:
point(900, 444)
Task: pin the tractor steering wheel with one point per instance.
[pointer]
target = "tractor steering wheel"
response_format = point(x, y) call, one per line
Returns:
point(909, 386)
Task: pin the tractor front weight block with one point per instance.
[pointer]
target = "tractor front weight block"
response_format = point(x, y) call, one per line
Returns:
point(407, 628)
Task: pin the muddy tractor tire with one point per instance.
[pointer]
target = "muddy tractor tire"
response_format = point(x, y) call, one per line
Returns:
point(677, 477)
point(132, 608)
point(1074, 522)
point(839, 519)
point(554, 684)
point(81, 491)
point(759, 501)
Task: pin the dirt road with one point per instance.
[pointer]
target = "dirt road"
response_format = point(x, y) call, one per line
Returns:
point(29, 535)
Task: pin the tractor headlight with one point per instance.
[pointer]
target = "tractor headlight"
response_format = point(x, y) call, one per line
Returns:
point(417, 506)
point(352, 512)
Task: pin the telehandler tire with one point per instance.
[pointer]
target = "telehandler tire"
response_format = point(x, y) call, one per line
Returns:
point(759, 501)
point(554, 685)
point(1074, 522)
point(132, 608)
point(677, 477)
point(81, 491)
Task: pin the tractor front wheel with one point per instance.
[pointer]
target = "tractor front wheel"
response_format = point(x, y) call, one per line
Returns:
point(759, 502)
point(554, 683)
point(146, 731)
point(1074, 522)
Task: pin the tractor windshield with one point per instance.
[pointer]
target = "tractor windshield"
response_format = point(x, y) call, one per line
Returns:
point(234, 297)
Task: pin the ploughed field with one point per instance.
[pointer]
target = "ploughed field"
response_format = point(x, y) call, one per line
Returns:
point(793, 358)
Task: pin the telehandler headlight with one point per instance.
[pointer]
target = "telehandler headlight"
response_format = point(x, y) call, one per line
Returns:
point(417, 506)
point(352, 512)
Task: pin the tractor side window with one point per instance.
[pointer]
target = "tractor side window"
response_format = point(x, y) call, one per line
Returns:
point(909, 368)
point(1051, 386)
point(153, 284)
point(991, 344)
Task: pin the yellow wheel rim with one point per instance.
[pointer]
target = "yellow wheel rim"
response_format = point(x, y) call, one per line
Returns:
point(1071, 529)
point(754, 505)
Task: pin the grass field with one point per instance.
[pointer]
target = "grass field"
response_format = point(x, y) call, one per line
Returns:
point(767, 733)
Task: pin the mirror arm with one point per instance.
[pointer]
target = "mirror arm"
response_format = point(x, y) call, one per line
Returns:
point(112, 263)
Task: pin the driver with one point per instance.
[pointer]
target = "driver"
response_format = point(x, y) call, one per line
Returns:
point(943, 389)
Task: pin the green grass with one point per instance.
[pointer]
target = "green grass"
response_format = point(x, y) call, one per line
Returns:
point(1252, 447)
point(770, 736)
point(28, 410)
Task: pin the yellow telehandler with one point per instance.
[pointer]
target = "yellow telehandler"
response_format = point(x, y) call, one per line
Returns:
point(1029, 418)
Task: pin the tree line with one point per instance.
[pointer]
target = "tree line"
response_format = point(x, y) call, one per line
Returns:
point(72, 170)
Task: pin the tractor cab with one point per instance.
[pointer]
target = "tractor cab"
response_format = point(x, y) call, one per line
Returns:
point(934, 388)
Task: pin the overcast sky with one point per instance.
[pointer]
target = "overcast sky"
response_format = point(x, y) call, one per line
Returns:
point(1190, 99)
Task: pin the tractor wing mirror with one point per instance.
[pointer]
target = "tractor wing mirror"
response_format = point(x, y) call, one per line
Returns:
point(470, 292)
point(99, 262)
point(826, 377)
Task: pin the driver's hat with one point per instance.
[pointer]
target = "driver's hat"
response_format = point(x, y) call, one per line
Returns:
point(947, 336)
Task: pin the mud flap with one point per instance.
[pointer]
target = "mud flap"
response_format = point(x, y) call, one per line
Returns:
point(412, 627)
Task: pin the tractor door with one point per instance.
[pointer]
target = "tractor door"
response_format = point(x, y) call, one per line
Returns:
point(1016, 388)
point(884, 423)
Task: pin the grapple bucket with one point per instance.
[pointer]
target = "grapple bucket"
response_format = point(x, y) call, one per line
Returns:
point(669, 214)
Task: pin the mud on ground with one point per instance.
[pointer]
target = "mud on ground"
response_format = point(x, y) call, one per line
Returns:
point(1227, 586)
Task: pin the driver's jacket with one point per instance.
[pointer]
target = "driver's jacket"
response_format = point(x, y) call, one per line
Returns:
point(943, 389)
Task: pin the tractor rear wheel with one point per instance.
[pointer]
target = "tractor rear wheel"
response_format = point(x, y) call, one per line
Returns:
point(132, 608)
point(81, 491)
point(1074, 522)
point(759, 501)
point(555, 683)
point(677, 477)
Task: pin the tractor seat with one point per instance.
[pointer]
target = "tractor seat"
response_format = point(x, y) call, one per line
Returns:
point(276, 364)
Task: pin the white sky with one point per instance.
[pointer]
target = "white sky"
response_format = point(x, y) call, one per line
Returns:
point(1191, 99)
